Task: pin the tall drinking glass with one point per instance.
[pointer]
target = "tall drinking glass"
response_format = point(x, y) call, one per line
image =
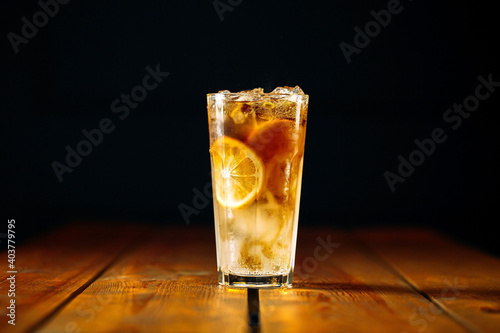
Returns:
point(257, 153)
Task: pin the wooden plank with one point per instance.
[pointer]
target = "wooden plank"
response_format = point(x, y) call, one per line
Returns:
point(463, 281)
point(50, 270)
point(167, 285)
point(346, 290)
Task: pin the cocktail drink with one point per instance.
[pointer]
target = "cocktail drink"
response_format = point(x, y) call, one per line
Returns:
point(257, 152)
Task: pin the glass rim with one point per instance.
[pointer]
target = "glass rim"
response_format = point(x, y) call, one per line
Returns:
point(252, 93)
point(260, 96)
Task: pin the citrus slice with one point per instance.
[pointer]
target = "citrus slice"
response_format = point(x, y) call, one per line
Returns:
point(275, 138)
point(238, 172)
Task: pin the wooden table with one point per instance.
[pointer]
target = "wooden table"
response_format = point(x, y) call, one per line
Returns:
point(125, 278)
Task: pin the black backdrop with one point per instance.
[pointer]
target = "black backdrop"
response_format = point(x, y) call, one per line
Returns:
point(362, 116)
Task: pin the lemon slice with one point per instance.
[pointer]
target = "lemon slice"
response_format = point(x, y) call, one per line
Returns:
point(274, 139)
point(238, 172)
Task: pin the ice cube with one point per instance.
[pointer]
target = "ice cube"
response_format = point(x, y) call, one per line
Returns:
point(253, 91)
point(297, 90)
point(239, 113)
point(267, 224)
point(268, 250)
point(251, 255)
point(287, 91)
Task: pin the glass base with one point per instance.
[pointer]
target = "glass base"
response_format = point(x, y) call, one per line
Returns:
point(255, 281)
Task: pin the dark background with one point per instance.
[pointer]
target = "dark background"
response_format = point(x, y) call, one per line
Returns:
point(362, 115)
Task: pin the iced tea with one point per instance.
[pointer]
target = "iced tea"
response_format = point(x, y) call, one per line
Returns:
point(257, 152)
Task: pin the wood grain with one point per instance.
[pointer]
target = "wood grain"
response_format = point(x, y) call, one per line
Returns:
point(81, 280)
point(167, 285)
point(462, 281)
point(346, 291)
point(53, 268)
